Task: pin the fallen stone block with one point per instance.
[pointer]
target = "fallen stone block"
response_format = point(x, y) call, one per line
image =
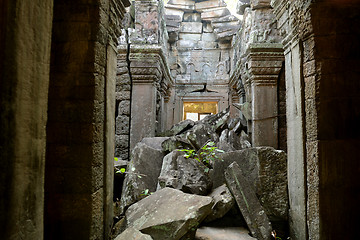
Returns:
point(185, 174)
point(168, 214)
point(250, 207)
point(175, 142)
point(154, 142)
point(266, 170)
point(142, 173)
point(132, 233)
point(223, 233)
point(223, 202)
point(200, 134)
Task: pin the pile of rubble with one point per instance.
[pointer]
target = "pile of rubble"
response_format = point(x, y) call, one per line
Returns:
point(166, 195)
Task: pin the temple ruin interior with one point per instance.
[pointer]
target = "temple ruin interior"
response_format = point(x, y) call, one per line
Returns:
point(179, 119)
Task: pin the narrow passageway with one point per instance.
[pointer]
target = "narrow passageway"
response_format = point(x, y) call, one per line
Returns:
point(222, 125)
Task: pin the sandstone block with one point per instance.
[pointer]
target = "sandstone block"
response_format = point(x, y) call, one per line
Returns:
point(266, 170)
point(199, 6)
point(209, 37)
point(208, 15)
point(192, 17)
point(190, 36)
point(168, 213)
point(185, 174)
point(223, 202)
point(186, 44)
point(191, 27)
point(250, 207)
point(132, 233)
point(174, 12)
point(241, 6)
point(154, 142)
point(143, 172)
point(122, 125)
point(180, 127)
point(124, 107)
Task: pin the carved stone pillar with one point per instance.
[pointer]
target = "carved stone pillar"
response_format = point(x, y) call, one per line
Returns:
point(286, 13)
point(150, 76)
point(264, 63)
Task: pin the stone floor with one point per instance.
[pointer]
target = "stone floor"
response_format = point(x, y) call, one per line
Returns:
point(229, 233)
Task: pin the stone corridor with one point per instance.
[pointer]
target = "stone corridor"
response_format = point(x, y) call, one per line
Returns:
point(276, 87)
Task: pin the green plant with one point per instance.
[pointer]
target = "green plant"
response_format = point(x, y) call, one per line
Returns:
point(146, 193)
point(123, 170)
point(204, 155)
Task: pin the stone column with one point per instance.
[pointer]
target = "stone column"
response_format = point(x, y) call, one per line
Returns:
point(149, 75)
point(295, 117)
point(25, 40)
point(264, 64)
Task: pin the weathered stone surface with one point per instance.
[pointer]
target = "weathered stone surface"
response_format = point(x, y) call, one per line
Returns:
point(132, 233)
point(154, 142)
point(124, 107)
point(192, 17)
point(122, 125)
point(223, 202)
point(241, 6)
point(209, 37)
point(175, 142)
point(209, 4)
point(248, 203)
point(182, 2)
point(208, 15)
point(180, 127)
point(217, 121)
point(190, 36)
point(245, 108)
point(223, 233)
point(266, 170)
point(225, 143)
point(239, 142)
point(174, 12)
point(191, 27)
point(145, 162)
point(256, 4)
point(184, 174)
point(199, 135)
point(168, 213)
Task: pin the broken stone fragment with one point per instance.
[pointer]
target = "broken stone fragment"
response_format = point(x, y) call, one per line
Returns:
point(175, 142)
point(142, 173)
point(185, 174)
point(199, 135)
point(223, 233)
point(132, 233)
point(241, 6)
point(250, 207)
point(154, 142)
point(168, 213)
point(223, 202)
point(225, 143)
point(218, 121)
point(266, 170)
point(245, 109)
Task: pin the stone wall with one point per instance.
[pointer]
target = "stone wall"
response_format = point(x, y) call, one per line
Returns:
point(25, 40)
point(200, 34)
point(143, 72)
point(320, 55)
point(80, 128)
point(257, 57)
